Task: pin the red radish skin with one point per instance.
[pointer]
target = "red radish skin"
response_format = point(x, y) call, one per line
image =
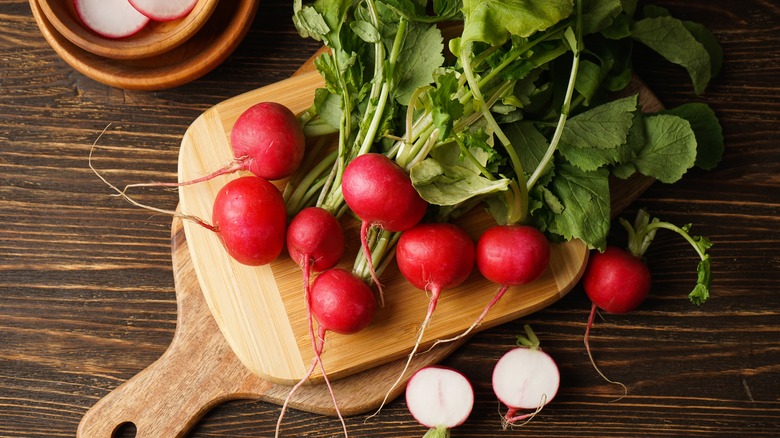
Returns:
point(381, 194)
point(523, 379)
point(315, 234)
point(113, 19)
point(268, 140)
point(439, 397)
point(164, 10)
point(250, 219)
point(341, 303)
point(433, 257)
point(616, 281)
point(510, 255)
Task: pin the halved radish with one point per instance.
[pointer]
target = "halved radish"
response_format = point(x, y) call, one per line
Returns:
point(440, 398)
point(110, 18)
point(164, 10)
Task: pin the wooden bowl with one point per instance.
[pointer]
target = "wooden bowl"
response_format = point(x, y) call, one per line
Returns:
point(155, 38)
point(209, 47)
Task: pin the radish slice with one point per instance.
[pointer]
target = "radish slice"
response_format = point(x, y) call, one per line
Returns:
point(164, 10)
point(439, 397)
point(110, 18)
point(526, 378)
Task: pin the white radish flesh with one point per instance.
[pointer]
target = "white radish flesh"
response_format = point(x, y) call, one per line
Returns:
point(110, 18)
point(437, 396)
point(525, 378)
point(164, 10)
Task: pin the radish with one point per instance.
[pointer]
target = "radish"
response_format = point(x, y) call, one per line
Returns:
point(433, 257)
point(510, 255)
point(250, 219)
point(164, 10)
point(525, 378)
point(267, 140)
point(440, 398)
point(381, 194)
point(341, 303)
point(315, 236)
point(618, 280)
point(110, 18)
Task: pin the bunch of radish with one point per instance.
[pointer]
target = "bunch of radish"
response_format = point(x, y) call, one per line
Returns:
point(123, 18)
point(617, 280)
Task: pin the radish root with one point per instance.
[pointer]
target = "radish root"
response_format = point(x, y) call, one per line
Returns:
point(123, 195)
point(593, 310)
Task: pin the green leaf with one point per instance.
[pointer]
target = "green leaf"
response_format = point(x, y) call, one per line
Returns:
point(446, 109)
point(708, 132)
point(670, 148)
point(586, 205)
point(671, 39)
point(441, 184)
point(599, 14)
point(493, 21)
point(419, 59)
point(529, 143)
point(594, 138)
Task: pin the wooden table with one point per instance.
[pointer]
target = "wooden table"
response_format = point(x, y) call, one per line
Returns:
point(86, 285)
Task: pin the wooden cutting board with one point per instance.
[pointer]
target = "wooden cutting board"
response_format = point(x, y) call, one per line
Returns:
point(199, 371)
point(261, 311)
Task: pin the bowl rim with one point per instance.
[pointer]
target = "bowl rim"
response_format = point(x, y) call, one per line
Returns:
point(155, 38)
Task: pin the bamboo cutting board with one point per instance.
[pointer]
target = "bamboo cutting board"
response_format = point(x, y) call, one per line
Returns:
point(260, 310)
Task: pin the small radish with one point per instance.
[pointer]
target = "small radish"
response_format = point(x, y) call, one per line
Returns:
point(440, 398)
point(267, 140)
point(618, 280)
point(110, 18)
point(164, 10)
point(315, 236)
point(433, 257)
point(510, 255)
point(250, 219)
point(341, 303)
point(525, 378)
point(381, 194)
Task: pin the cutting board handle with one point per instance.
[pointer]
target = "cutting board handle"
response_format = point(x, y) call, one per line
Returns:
point(197, 372)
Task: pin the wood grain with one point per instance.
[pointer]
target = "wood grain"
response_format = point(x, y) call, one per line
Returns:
point(87, 296)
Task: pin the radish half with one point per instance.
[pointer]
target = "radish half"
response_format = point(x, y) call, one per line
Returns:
point(525, 378)
point(164, 10)
point(110, 18)
point(439, 397)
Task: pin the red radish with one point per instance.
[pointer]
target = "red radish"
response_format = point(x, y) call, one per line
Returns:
point(110, 18)
point(250, 219)
point(381, 194)
point(433, 257)
point(164, 10)
point(267, 140)
point(618, 280)
point(440, 398)
point(510, 255)
point(615, 280)
point(341, 303)
point(316, 236)
point(525, 378)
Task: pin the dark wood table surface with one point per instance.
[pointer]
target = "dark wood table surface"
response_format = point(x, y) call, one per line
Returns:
point(86, 287)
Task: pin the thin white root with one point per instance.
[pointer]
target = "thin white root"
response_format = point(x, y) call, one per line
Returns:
point(123, 195)
point(593, 362)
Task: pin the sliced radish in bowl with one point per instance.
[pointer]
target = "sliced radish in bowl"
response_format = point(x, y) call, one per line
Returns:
point(110, 18)
point(164, 10)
